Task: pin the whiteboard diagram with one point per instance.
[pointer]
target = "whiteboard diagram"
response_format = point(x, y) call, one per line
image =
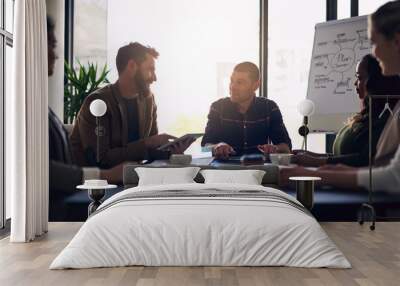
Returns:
point(338, 47)
point(340, 58)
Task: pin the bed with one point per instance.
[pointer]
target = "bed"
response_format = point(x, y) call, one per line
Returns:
point(196, 224)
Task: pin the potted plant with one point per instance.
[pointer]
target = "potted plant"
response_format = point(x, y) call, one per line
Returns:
point(79, 84)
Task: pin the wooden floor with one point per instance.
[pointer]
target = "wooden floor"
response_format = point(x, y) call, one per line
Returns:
point(375, 257)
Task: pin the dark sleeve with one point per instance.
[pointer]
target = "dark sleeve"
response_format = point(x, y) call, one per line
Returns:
point(64, 177)
point(355, 159)
point(213, 128)
point(278, 132)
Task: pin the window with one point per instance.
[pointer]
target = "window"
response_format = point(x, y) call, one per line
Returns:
point(199, 43)
point(9, 12)
point(290, 45)
point(369, 6)
point(90, 32)
point(6, 40)
point(343, 9)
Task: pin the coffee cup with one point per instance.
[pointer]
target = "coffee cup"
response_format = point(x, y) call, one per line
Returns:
point(96, 183)
point(280, 158)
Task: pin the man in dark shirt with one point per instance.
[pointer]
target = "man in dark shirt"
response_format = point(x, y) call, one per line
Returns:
point(243, 123)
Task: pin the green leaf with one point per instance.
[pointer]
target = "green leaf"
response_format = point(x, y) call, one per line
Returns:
point(80, 82)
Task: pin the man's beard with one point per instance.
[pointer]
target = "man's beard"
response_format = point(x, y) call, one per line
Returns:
point(142, 85)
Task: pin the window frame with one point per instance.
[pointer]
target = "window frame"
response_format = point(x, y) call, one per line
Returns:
point(6, 39)
point(69, 32)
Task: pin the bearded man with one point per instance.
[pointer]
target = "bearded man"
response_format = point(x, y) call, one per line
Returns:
point(129, 127)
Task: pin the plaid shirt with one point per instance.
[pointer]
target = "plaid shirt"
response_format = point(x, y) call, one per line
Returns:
point(261, 124)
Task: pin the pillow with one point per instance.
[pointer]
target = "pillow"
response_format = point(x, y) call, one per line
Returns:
point(248, 177)
point(166, 176)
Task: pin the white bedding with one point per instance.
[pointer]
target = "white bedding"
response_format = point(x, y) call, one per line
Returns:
point(183, 231)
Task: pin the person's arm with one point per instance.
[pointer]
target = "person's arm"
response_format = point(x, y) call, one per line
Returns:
point(213, 128)
point(278, 132)
point(64, 177)
point(341, 179)
point(113, 175)
point(304, 159)
point(134, 151)
point(354, 159)
point(300, 151)
point(383, 178)
point(346, 179)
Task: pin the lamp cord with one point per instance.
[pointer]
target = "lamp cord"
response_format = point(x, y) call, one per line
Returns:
point(98, 141)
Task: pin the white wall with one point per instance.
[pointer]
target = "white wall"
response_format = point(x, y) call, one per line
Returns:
point(56, 9)
point(199, 43)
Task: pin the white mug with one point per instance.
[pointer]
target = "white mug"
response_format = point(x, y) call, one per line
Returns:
point(280, 158)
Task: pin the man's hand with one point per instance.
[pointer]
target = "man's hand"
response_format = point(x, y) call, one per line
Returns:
point(157, 140)
point(181, 146)
point(113, 175)
point(222, 151)
point(268, 148)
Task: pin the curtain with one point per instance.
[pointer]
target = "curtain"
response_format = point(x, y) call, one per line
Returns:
point(27, 124)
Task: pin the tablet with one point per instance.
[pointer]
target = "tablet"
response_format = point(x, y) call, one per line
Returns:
point(180, 139)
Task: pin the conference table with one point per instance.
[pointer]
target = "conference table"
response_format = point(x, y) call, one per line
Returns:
point(330, 204)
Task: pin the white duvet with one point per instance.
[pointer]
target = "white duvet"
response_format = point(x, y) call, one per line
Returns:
point(183, 231)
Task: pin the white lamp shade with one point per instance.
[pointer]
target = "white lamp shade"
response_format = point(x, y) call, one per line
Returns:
point(98, 108)
point(306, 107)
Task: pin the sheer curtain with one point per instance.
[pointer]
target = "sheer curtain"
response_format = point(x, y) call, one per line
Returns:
point(26, 124)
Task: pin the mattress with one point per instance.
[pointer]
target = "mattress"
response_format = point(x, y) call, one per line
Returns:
point(201, 225)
